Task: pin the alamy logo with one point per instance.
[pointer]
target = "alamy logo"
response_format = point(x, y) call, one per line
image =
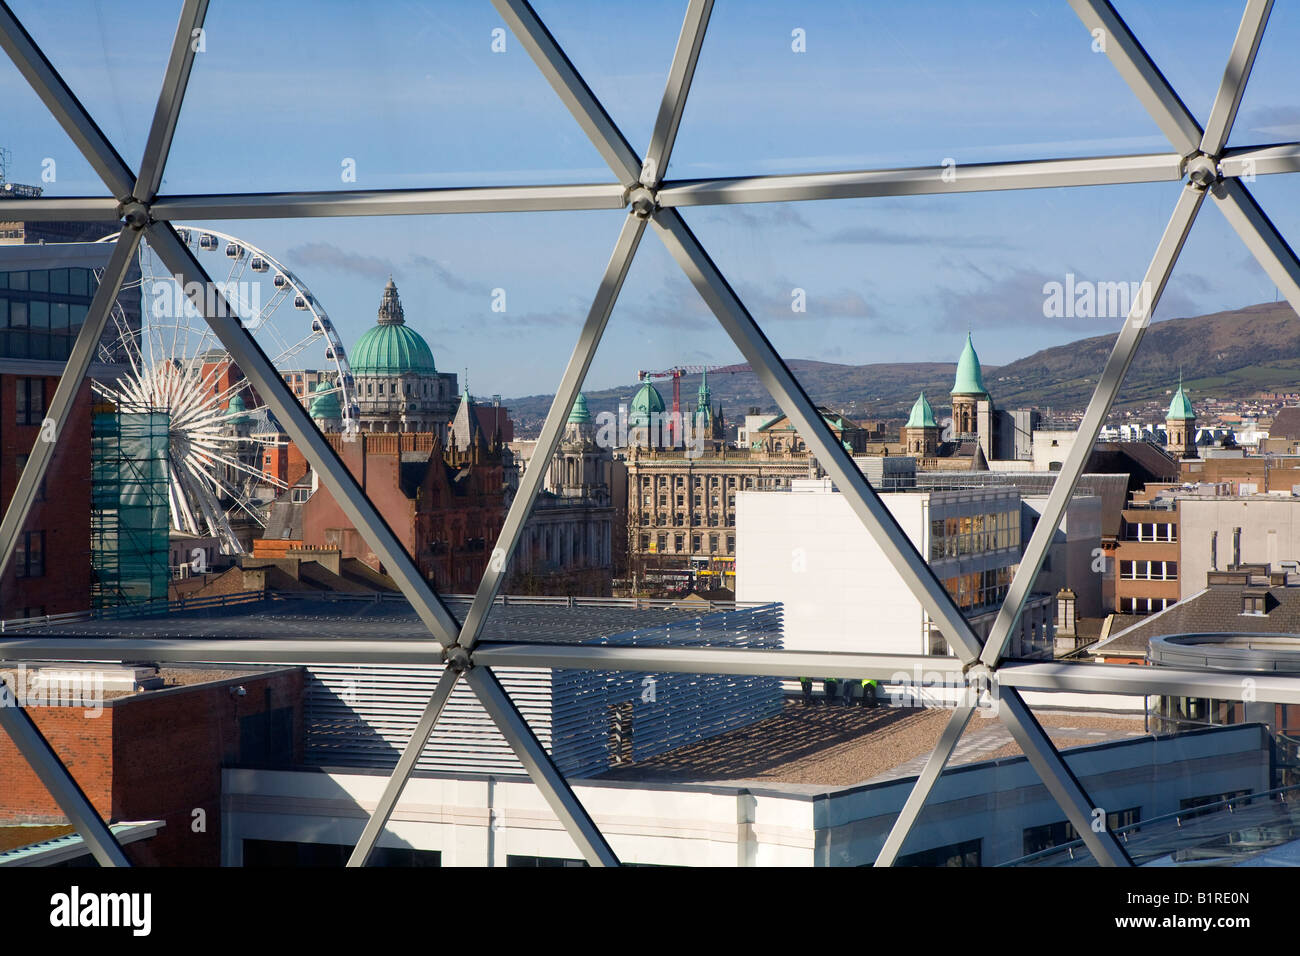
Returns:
point(51, 687)
point(1084, 299)
point(74, 908)
point(172, 298)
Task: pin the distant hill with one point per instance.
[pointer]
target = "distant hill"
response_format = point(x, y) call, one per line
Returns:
point(1226, 355)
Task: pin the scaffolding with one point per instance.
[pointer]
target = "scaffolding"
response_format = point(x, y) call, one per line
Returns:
point(129, 506)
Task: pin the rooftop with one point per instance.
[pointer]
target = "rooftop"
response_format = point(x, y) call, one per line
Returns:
point(1217, 609)
point(345, 617)
point(818, 748)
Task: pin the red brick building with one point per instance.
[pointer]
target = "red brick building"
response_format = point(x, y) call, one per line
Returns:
point(1147, 553)
point(446, 505)
point(50, 572)
point(158, 754)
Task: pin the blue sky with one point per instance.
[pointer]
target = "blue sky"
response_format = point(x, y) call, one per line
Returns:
point(414, 94)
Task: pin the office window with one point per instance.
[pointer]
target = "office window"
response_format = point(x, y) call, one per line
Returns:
point(954, 854)
point(30, 400)
point(1048, 835)
point(29, 555)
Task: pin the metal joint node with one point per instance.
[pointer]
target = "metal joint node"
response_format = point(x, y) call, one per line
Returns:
point(1202, 171)
point(644, 202)
point(134, 213)
point(458, 659)
point(977, 672)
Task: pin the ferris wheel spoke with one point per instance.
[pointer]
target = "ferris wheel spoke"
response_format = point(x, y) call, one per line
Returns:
point(182, 513)
point(291, 350)
point(272, 305)
point(173, 362)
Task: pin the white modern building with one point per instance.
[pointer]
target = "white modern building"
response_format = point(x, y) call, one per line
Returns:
point(495, 820)
point(805, 549)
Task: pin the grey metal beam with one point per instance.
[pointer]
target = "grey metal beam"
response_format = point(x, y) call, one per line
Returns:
point(1142, 76)
point(1059, 779)
point(65, 394)
point(64, 105)
point(72, 800)
point(925, 180)
point(530, 484)
point(1261, 237)
point(1249, 161)
point(263, 376)
point(673, 104)
point(1233, 86)
point(1092, 678)
point(571, 88)
point(1112, 377)
point(175, 79)
point(62, 209)
point(794, 401)
point(405, 765)
point(390, 202)
point(221, 650)
point(715, 660)
point(938, 759)
point(537, 762)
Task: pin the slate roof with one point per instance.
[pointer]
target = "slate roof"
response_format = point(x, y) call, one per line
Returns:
point(1286, 424)
point(1215, 610)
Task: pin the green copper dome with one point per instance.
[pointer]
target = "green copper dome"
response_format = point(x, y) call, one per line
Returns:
point(325, 403)
point(236, 406)
point(391, 347)
point(970, 377)
point(1180, 409)
point(580, 415)
point(647, 402)
point(922, 415)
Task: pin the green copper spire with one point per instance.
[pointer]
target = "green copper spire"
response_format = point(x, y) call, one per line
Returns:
point(1180, 409)
point(970, 377)
point(922, 415)
point(580, 414)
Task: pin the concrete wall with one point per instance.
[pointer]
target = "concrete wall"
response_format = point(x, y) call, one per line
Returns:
point(1050, 447)
point(840, 593)
point(1270, 532)
point(1071, 553)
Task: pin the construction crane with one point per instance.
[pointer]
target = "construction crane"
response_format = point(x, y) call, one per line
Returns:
point(676, 373)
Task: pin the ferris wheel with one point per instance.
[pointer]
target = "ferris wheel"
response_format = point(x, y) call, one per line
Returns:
point(220, 459)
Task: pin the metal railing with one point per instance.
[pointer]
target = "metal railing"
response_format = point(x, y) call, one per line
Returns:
point(1177, 817)
point(148, 608)
point(143, 609)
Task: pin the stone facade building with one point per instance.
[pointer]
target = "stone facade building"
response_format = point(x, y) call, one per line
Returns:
point(567, 545)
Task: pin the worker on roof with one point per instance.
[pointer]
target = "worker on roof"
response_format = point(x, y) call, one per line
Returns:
point(870, 693)
point(805, 684)
point(831, 687)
